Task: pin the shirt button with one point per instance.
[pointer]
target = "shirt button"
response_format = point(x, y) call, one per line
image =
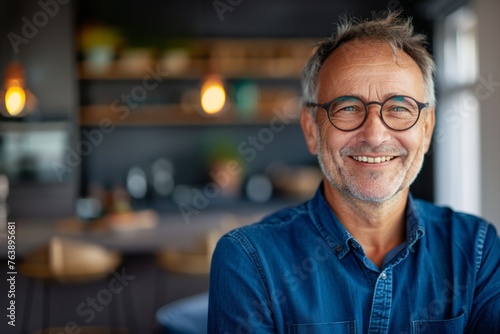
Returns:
point(383, 275)
point(338, 249)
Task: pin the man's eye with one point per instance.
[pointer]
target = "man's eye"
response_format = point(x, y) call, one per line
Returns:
point(350, 108)
point(396, 108)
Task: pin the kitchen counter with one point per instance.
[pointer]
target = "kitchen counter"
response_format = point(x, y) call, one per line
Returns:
point(172, 231)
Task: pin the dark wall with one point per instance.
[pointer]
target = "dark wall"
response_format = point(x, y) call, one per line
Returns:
point(153, 19)
point(46, 51)
point(158, 23)
point(50, 61)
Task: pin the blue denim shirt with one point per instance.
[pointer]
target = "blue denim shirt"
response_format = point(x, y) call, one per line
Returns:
point(300, 271)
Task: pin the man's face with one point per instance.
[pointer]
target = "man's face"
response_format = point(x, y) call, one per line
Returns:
point(371, 71)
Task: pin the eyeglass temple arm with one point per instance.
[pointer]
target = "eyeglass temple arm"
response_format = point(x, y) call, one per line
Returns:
point(312, 104)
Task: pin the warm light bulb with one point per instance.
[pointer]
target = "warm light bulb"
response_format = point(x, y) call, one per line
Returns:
point(213, 96)
point(15, 100)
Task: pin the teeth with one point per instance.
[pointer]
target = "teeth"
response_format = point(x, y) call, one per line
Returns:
point(372, 160)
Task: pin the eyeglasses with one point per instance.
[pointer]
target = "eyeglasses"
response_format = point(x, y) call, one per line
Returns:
point(348, 113)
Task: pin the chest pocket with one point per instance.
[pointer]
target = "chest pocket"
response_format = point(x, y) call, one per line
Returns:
point(344, 327)
point(450, 326)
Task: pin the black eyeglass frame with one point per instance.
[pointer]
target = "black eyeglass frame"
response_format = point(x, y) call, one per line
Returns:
point(326, 106)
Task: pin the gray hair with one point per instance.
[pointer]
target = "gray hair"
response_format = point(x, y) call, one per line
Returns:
point(391, 29)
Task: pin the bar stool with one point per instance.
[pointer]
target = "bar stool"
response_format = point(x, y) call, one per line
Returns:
point(65, 261)
point(189, 315)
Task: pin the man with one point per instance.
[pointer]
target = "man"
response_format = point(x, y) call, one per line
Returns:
point(362, 256)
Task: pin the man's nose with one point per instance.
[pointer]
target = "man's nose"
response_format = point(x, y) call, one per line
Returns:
point(374, 131)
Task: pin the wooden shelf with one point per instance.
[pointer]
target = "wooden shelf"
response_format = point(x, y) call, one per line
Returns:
point(282, 68)
point(232, 58)
point(260, 59)
point(34, 126)
point(152, 115)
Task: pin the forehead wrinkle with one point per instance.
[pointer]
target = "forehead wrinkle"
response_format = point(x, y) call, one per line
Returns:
point(374, 69)
point(372, 91)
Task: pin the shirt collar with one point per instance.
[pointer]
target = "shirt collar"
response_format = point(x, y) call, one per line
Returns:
point(414, 223)
point(340, 239)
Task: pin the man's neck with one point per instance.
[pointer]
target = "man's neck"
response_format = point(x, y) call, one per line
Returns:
point(379, 227)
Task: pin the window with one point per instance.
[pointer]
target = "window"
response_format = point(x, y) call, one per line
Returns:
point(457, 137)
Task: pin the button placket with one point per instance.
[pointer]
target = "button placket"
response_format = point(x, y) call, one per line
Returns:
point(381, 304)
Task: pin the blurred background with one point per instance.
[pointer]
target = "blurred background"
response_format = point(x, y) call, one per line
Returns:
point(134, 133)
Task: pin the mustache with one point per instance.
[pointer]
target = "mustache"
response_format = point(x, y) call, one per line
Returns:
point(366, 149)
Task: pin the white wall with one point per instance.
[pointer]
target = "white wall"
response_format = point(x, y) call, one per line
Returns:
point(488, 14)
point(467, 135)
point(457, 133)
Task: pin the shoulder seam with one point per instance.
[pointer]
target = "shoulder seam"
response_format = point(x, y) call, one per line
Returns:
point(242, 240)
point(291, 213)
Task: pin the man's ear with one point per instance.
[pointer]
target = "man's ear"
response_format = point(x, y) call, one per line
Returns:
point(429, 123)
point(310, 130)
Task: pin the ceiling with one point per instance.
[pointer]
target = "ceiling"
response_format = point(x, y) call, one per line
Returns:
point(152, 19)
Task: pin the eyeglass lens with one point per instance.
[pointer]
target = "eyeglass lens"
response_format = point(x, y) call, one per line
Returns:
point(398, 112)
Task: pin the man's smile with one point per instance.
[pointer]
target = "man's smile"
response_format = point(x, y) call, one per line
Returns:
point(372, 160)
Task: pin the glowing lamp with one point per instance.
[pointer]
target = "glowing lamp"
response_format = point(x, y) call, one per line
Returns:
point(15, 99)
point(213, 95)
